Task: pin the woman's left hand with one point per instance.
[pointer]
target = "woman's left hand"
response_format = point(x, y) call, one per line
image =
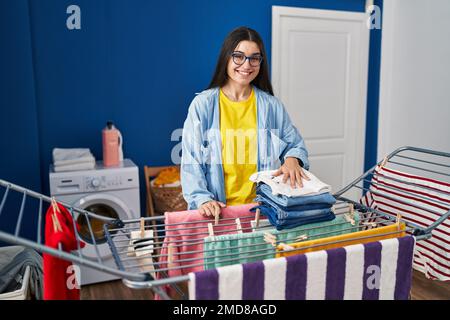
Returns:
point(292, 170)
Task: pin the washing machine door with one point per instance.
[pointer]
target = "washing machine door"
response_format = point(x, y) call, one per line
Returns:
point(102, 204)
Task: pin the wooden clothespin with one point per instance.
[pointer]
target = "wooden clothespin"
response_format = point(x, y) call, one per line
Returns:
point(257, 215)
point(285, 246)
point(350, 215)
point(370, 224)
point(383, 163)
point(238, 225)
point(142, 228)
point(301, 237)
point(397, 220)
point(56, 225)
point(55, 205)
point(270, 238)
point(210, 229)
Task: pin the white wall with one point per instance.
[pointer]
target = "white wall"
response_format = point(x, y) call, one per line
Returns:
point(415, 75)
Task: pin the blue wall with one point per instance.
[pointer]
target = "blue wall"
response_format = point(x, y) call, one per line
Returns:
point(137, 63)
point(19, 145)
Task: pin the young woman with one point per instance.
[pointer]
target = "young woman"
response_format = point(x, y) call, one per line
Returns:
point(235, 128)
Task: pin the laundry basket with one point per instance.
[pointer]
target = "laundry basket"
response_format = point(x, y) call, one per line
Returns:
point(23, 293)
point(165, 198)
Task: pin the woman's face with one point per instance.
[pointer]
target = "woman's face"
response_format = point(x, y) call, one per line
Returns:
point(247, 72)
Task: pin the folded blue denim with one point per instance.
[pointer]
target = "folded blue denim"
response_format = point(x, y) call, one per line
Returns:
point(227, 249)
point(308, 217)
point(296, 211)
point(286, 203)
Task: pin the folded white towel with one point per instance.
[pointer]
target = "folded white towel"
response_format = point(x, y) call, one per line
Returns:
point(69, 156)
point(310, 187)
point(75, 167)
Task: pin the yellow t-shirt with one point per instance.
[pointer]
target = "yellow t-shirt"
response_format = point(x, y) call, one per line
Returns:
point(238, 129)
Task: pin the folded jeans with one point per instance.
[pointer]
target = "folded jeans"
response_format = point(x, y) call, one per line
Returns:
point(285, 202)
point(279, 224)
point(306, 207)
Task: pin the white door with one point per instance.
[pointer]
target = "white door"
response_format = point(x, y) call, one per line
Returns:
point(319, 71)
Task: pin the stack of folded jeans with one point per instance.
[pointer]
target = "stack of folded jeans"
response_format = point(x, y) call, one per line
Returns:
point(285, 212)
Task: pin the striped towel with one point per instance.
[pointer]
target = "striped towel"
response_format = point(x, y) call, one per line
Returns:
point(432, 256)
point(376, 270)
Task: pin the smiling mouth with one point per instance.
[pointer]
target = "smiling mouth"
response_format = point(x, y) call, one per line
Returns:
point(244, 73)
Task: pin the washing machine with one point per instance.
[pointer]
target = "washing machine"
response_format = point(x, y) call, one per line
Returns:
point(107, 191)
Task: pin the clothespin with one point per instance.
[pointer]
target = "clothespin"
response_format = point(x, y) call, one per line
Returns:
point(285, 246)
point(170, 255)
point(383, 163)
point(257, 215)
point(270, 238)
point(370, 224)
point(238, 225)
point(397, 220)
point(301, 237)
point(142, 228)
point(350, 216)
point(210, 229)
point(55, 205)
point(56, 225)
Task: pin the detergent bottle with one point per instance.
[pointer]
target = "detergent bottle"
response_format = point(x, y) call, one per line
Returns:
point(112, 145)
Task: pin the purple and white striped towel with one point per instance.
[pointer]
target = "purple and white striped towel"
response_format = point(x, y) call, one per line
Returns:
point(379, 270)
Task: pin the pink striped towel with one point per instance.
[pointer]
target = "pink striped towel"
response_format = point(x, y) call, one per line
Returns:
point(420, 201)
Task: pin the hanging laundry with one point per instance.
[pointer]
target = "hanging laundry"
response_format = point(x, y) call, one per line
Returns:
point(59, 284)
point(189, 245)
point(310, 187)
point(420, 201)
point(239, 248)
point(387, 232)
point(336, 274)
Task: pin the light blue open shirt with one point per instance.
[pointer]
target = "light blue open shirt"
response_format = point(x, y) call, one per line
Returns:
point(202, 177)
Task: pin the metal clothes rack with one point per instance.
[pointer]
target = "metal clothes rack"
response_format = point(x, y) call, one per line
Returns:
point(140, 271)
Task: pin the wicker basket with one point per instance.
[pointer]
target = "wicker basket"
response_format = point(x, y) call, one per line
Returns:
point(168, 199)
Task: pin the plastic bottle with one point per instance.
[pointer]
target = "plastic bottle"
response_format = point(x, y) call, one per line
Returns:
point(112, 145)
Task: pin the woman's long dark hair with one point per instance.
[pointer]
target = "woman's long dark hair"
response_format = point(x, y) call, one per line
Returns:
point(230, 43)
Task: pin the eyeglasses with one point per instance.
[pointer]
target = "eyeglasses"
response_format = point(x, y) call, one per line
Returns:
point(239, 58)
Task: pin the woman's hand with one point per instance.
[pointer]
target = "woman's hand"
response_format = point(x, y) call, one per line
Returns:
point(211, 208)
point(291, 170)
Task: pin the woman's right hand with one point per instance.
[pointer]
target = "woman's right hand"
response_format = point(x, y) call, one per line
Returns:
point(211, 208)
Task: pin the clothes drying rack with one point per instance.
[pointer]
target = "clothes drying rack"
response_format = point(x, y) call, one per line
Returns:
point(140, 271)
